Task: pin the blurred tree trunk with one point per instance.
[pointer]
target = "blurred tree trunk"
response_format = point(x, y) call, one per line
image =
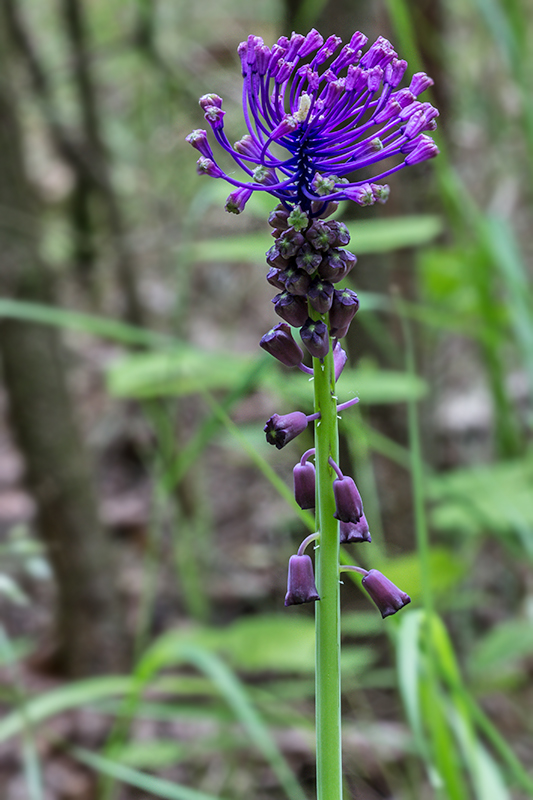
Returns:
point(83, 151)
point(90, 625)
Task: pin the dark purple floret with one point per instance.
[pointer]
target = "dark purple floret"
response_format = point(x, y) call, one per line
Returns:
point(274, 278)
point(289, 242)
point(304, 484)
point(387, 597)
point(280, 430)
point(301, 586)
point(291, 307)
point(351, 532)
point(315, 337)
point(278, 218)
point(348, 503)
point(320, 236)
point(275, 259)
point(342, 234)
point(308, 258)
point(335, 265)
point(315, 116)
point(279, 342)
point(343, 309)
point(295, 281)
point(320, 295)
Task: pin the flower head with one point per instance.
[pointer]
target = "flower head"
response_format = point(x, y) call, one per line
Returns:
point(315, 113)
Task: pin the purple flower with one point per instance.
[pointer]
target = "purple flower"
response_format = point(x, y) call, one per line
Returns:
point(315, 337)
point(348, 503)
point(315, 113)
point(291, 307)
point(279, 343)
point(339, 360)
point(304, 484)
point(388, 598)
point(280, 430)
point(344, 306)
point(354, 531)
point(301, 586)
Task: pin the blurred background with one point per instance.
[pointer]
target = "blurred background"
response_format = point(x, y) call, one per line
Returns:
point(145, 524)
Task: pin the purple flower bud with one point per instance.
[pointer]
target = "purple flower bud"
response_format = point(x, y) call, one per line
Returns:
point(334, 265)
point(315, 338)
point(198, 139)
point(319, 235)
point(289, 242)
point(387, 597)
point(247, 147)
point(342, 234)
point(362, 195)
point(304, 484)
point(339, 360)
point(280, 430)
point(351, 532)
point(237, 200)
point(425, 149)
point(395, 71)
point(380, 191)
point(207, 100)
point(343, 309)
point(215, 116)
point(301, 586)
point(296, 281)
point(320, 295)
point(313, 41)
point(274, 258)
point(419, 83)
point(274, 278)
point(279, 218)
point(291, 307)
point(279, 343)
point(308, 258)
point(206, 166)
point(348, 503)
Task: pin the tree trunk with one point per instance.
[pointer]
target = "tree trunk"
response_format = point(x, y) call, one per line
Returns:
point(90, 626)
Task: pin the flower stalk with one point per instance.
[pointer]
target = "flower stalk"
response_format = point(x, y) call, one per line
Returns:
point(327, 677)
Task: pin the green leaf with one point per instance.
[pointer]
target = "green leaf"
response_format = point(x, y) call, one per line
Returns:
point(500, 651)
point(470, 500)
point(156, 787)
point(177, 372)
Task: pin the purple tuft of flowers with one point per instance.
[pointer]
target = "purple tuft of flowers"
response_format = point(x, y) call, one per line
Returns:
point(315, 114)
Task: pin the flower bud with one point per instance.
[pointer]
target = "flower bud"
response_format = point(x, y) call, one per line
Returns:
point(289, 242)
point(298, 219)
point(279, 343)
point(320, 295)
point(301, 587)
point(280, 430)
point(354, 531)
point(315, 338)
point(342, 234)
point(334, 266)
point(304, 484)
point(308, 258)
point(387, 597)
point(343, 308)
point(291, 307)
point(237, 200)
point(278, 218)
point(296, 281)
point(339, 360)
point(274, 278)
point(319, 235)
point(348, 503)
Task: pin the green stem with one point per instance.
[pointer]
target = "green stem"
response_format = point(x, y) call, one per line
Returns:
point(328, 690)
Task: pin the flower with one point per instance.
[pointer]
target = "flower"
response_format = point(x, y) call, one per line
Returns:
point(301, 586)
point(388, 598)
point(280, 430)
point(350, 532)
point(279, 342)
point(315, 114)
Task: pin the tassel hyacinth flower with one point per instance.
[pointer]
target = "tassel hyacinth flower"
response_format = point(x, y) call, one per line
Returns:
point(320, 118)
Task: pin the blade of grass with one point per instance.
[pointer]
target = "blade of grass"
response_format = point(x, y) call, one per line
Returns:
point(157, 787)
